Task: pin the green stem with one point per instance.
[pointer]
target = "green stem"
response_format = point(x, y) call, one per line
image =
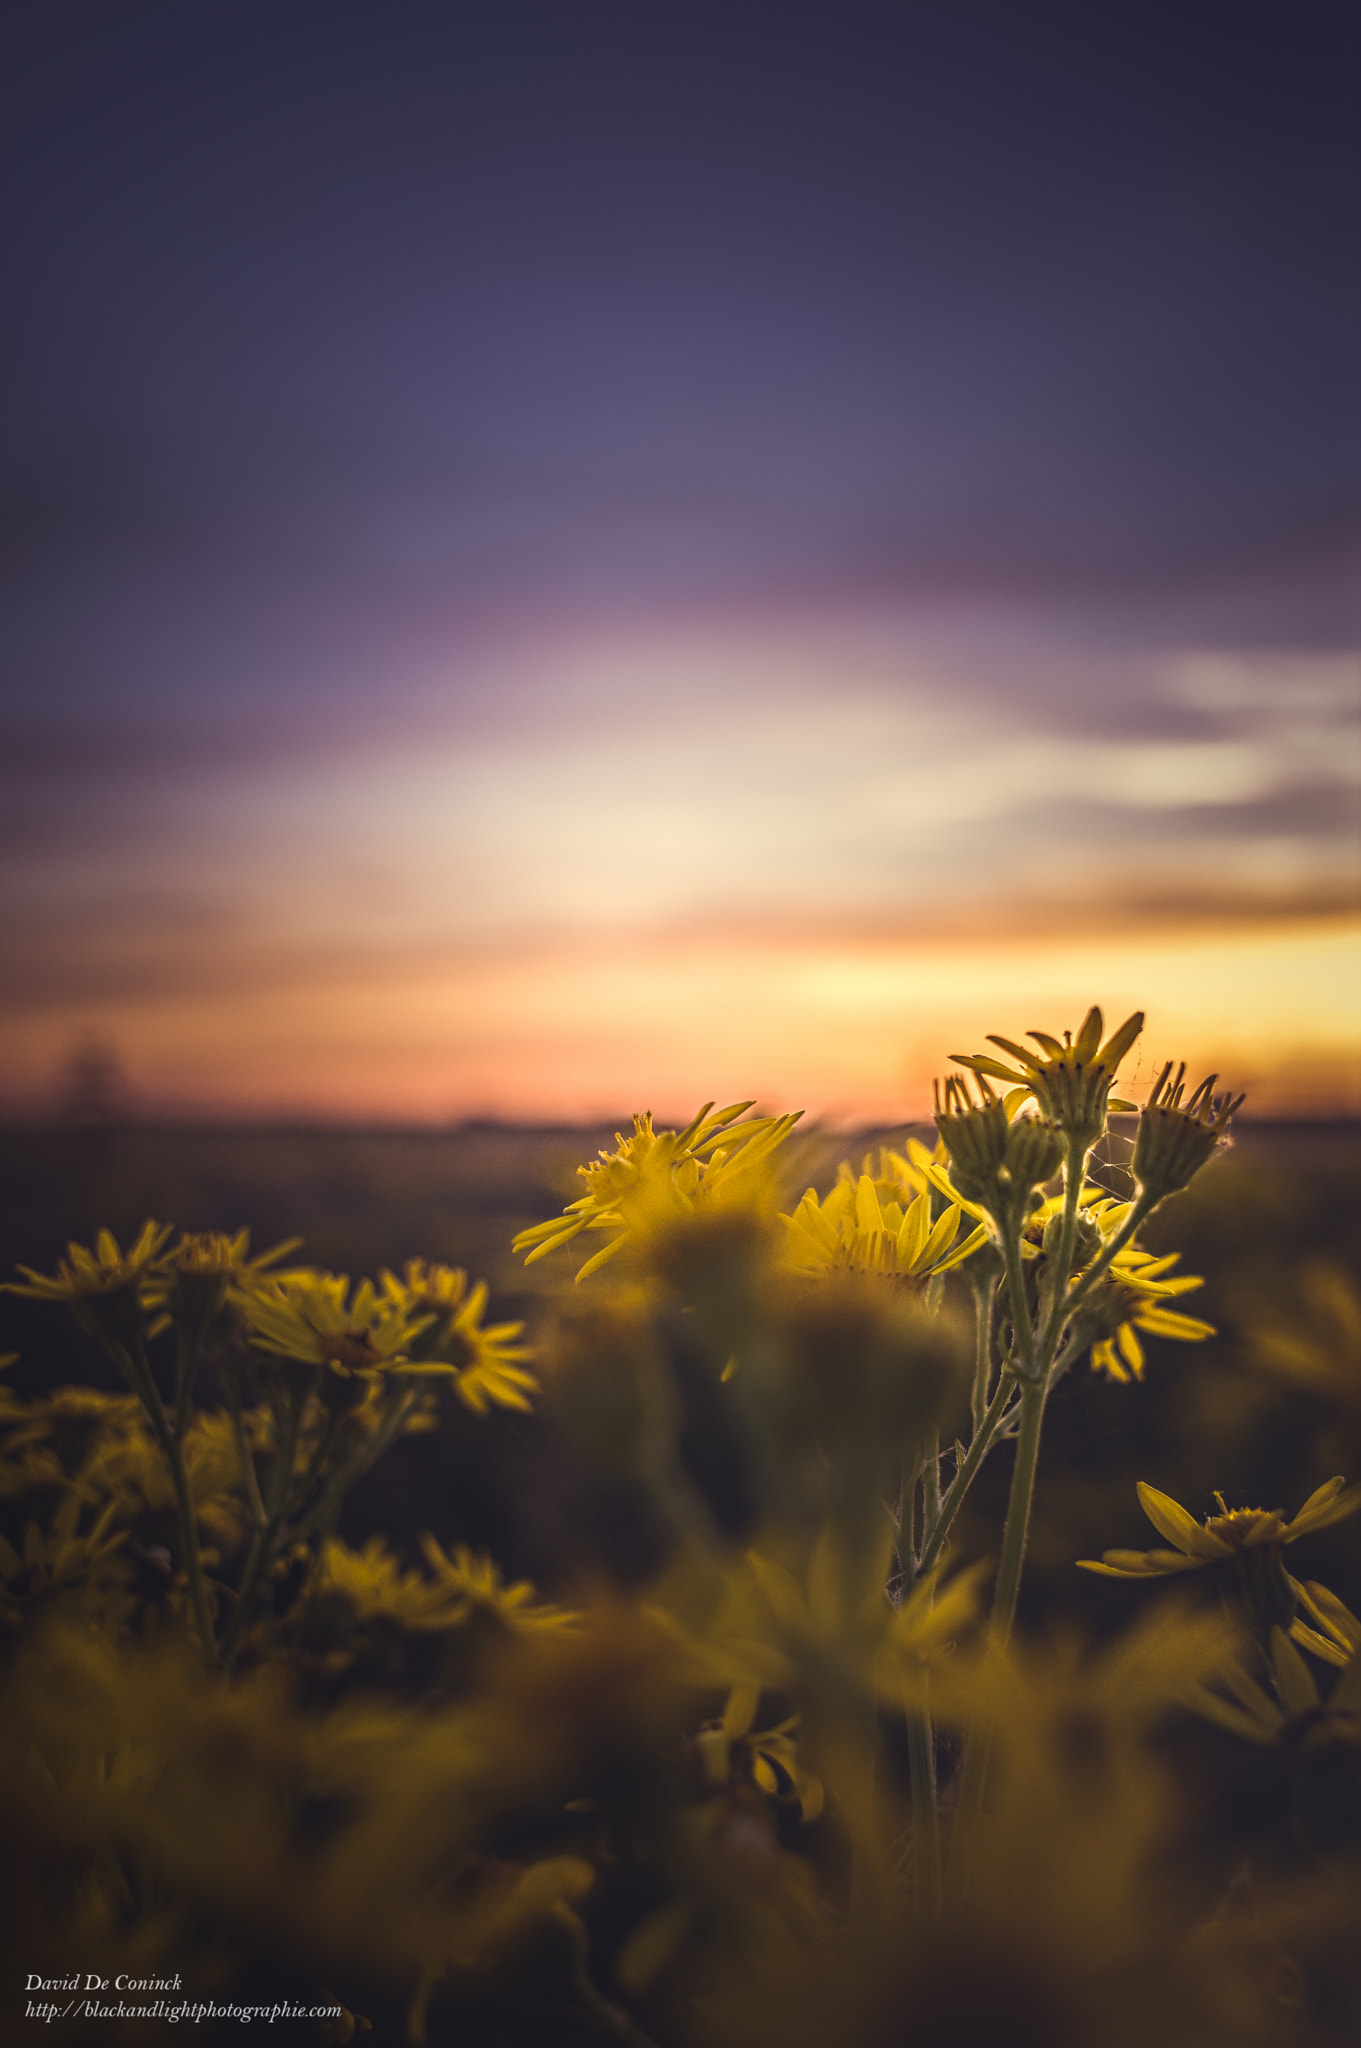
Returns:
point(1059, 1309)
point(1020, 1308)
point(921, 1755)
point(1017, 1531)
point(250, 1479)
point(186, 1369)
point(907, 1526)
point(931, 1488)
point(1003, 1614)
point(265, 1541)
point(1071, 1351)
point(985, 1313)
point(934, 1538)
point(321, 1451)
point(1142, 1206)
point(148, 1393)
point(258, 1558)
point(355, 1468)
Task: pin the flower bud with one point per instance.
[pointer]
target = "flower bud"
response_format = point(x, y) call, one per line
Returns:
point(1173, 1142)
point(993, 1162)
point(974, 1135)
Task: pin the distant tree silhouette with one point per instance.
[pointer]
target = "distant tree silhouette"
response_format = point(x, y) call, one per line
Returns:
point(93, 1089)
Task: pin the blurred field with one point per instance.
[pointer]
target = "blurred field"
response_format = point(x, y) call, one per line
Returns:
point(1285, 1199)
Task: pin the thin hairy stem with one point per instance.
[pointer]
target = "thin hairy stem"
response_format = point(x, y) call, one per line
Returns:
point(1020, 1308)
point(933, 1539)
point(1017, 1530)
point(985, 1318)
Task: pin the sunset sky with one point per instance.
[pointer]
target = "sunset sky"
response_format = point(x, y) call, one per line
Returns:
point(563, 555)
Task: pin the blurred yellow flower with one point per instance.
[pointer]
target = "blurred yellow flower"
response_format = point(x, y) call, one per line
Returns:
point(190, 1283)
point(656, 1177)
point(56, 1562)
point(373, 1582)
point(1121, 1355)
point(427, 1325)
point(1135, 1293)
point(105, 1270)
point(471, 1583)
point(769, 1757)
point(311, 1317)
point(487, 1361)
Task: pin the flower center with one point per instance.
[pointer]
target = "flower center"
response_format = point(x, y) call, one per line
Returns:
point(1245, 1528)
point(354, 1351)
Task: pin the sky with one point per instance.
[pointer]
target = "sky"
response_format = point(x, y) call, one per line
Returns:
point(567, 555)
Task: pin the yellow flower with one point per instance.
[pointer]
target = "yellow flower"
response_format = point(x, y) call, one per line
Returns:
point(374, 1584)
point(105, 1270)
point(1136, 1292)
point(1314, 1337)
point(769, 1757)
point(58, 1563)
point(1224, 1536)
point(488, 1363)
point(827, 1627)
point(1070, 1082)
point(868, 1226)
point(190, 1284)
point(656, 1177)
point(101, 1287)
point(471, 1583)
point(1121, 1356)
point(312, 1318)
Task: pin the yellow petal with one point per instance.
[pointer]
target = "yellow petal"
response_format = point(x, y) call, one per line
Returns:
point(1325, 1606)
point(1089, 1036)
point(594, 1265)
point(1166, 1322)
point(942, 1237)
point(1131, 1350)
point(1327, 1503)
point(868, 1214)
point(1294, 1681)
point(966, 1250)
point(1310, 1639)
point(915, 1231)
point(1119, 1042)
point(765, 1776)
point(740, 1711)
point(1171, 1520)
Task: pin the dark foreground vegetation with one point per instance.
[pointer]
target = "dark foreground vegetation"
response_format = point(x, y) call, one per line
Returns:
point(562, 1719)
